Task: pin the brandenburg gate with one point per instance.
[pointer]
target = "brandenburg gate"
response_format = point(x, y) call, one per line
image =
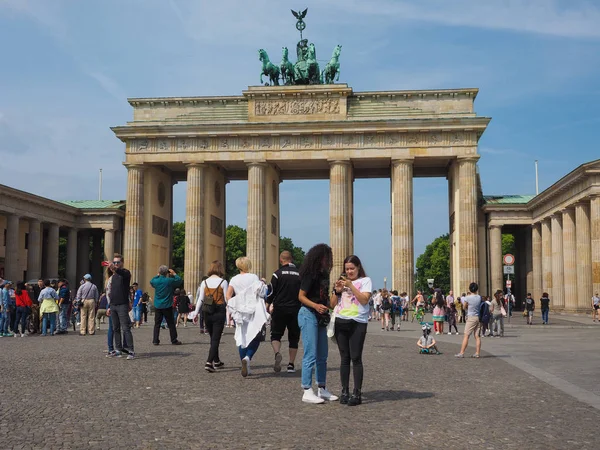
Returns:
point(270, 134)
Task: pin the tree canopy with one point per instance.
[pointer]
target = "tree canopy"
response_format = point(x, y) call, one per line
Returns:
point(434, 263)
point(235, 246)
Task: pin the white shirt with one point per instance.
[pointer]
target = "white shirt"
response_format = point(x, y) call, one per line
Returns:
point(211, 282)
point(242, 281)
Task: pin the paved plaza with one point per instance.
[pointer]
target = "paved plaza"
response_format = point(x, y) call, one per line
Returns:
point(533, 389)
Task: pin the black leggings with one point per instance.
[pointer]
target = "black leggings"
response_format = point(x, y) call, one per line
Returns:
point(350, 336)
point(214, 325)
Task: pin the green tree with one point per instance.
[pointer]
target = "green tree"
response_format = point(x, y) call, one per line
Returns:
point(178, 247)
point(235, 246)
point(286, 243)
point(508, 244)
point(434, 263)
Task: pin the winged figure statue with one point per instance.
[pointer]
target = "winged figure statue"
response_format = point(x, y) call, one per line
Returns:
point(300, 15)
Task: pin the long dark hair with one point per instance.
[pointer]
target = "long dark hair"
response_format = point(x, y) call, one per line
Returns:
point(353, 259)
point(439, 299)
point(20, 288)
point(313, 265)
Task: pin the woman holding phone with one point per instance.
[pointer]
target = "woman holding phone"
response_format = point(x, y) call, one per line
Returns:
point(351, 302)
point(313, 319)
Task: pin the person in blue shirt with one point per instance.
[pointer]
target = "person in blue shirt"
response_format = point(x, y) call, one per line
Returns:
point(5, 302)
point(137, 305)
point(164, 285)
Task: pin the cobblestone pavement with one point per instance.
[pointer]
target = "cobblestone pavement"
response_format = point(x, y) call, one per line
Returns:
point(62, 392)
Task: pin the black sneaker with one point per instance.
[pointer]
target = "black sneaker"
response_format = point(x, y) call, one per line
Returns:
point(290, 368)
point(218, 365)
point(177, 343)
point(209, 367)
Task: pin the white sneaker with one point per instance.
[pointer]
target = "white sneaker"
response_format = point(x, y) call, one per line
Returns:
point(310, 397)
point(449, 332)
point(326, 395)
point(437, 332)
point(245, 367)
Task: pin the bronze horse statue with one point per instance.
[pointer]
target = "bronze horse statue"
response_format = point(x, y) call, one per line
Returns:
point(333, 67)
point(268, 68)
point(287, 68)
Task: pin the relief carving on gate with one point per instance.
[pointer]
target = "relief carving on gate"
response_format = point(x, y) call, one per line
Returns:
point(296, 107)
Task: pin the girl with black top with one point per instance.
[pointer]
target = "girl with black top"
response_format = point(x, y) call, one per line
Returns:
point(313, 319)
point(183, 307)
point(351, 302)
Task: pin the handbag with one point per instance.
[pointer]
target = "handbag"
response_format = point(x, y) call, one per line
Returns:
point(503, 311)
point(208, 304)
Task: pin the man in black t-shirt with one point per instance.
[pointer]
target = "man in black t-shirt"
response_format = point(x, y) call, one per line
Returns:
point(284, 306)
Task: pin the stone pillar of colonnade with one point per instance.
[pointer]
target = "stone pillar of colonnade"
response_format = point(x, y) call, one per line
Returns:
point(584, 255)
point(341, 182)
point(402, 226)
point(96, 268)
point(558, 283)
point(569, 259)
point(194, 227)
point(595, 238)
point(496, 277)
point(52, 251)
point(547, 256)
point(527, 232)
point(256, 246)
point(467, 225)
point(83, 254)
point(71, 269)
point(134, 222)
point(536, 255)
point(11, 256)
point(34, 253)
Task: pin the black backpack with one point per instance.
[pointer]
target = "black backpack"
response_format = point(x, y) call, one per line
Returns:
point(386, 304)
point(484, 313)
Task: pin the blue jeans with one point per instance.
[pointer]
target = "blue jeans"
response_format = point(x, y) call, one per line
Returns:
point(22, 314)
point(251, 349)
point(4, 321)
point(63, 322)
point(137, 313)
point(545, 315)
point(49, 317)
point(316, 348)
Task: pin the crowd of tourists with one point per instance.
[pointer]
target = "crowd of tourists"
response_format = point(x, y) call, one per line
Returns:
point(300, 301)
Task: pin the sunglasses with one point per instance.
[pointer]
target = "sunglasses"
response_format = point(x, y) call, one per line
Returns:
point(116, 262)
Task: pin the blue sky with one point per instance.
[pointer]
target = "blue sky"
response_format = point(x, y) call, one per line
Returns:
point(68, 67)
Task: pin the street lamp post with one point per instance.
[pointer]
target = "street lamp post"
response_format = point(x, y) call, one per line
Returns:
point(385, 282)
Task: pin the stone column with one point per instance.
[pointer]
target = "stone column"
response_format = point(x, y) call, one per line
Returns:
point(584, 256)
point(72, 257)
point(256, 246)
point(194, 227)
point(34, 252)
point(96, 260)
point(52, 253)
point(402, 226)
point(109, 244)
point(467, 226)
point(527, 232)
point(569, 259)
point(11, 255)
point(547, 256)
point(83, 254)
point(558, 285)
point(536, 251)
point(134, 223)
point(340, 213)
point(595, 237)
point(495, 258)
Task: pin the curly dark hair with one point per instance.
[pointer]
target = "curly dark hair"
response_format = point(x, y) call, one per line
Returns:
point(318, 260)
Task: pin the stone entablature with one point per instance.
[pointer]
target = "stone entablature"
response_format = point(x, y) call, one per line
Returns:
point(304, 103)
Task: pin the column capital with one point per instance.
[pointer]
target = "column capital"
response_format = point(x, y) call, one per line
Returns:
point(408, 160)
point(347, 162)
point(493, 226)
point(256, 163)
point(195, 164)
point(131, 166)
point(470, 158)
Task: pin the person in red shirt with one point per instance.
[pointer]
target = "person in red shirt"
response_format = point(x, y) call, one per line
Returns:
point(23, 308)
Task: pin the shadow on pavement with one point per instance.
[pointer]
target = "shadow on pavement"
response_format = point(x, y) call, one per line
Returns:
point(161, 355)
point(390, 396)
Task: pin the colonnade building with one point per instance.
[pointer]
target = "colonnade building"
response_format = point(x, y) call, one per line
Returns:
point(33, 226)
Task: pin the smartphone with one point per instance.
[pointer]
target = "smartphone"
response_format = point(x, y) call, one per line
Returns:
point(343, 276)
